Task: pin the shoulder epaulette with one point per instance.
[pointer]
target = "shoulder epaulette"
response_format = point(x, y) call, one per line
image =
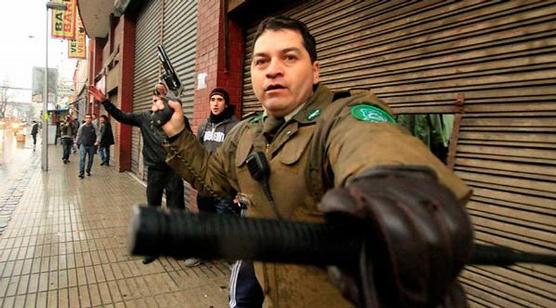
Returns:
point(253, 117)
point(340, 94)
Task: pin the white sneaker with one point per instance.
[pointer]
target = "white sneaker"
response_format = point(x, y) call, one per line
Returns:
point(192, 262)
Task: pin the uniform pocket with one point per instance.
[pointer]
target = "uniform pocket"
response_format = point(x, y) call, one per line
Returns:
point(294, 148)
point(243, 149)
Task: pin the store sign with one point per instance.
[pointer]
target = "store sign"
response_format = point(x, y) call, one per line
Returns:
point(64, 22)
point(77, 48)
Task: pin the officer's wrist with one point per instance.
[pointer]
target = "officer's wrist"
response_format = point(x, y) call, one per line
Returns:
point(176, 136)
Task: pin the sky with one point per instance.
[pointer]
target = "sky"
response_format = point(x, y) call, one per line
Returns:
point(22, 37)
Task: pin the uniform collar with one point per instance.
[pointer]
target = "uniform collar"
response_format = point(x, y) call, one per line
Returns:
point(312, 110)
point(318, 101)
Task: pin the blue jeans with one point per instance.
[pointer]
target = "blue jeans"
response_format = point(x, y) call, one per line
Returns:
point(104, 153)
point(86, 150)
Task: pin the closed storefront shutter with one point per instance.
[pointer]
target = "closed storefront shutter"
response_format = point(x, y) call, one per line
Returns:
point(115, 130)
point(501, 58)
point(179, 40)
point(148, 33)
point(173, 24)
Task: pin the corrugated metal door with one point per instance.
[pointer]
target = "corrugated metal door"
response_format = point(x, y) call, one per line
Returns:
point(172, 23)
point(179, 39)
point(501, 56)
point(148, 33)
point(115, 130)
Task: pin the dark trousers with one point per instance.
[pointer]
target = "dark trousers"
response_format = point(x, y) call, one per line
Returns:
point(34, 139)
point(66, 146)
point(245, 290)
point(160, 180)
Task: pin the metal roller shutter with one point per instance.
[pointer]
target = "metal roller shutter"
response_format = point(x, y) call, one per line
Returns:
point(501, 55)
point(148, 33)
point(179, 39)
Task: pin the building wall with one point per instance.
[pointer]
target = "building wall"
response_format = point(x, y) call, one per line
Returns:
point(217, 57)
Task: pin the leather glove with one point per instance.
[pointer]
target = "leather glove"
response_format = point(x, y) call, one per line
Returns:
point(418, 239)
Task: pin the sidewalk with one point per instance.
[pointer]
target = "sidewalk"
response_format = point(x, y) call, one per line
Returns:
point(66, 245)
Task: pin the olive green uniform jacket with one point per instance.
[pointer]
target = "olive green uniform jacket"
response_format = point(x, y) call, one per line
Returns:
point(323, 146)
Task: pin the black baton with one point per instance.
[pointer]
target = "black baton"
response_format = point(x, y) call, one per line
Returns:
point(177, 234)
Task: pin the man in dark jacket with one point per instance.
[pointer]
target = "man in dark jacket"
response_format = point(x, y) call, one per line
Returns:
point(66, 134)
point(245, 290)
point(34, 132)
point(87, 139)
point(211, 134)
point(106, 140)
point(160, 177)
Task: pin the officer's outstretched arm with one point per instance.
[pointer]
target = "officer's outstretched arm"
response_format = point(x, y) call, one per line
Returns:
point(421, 238)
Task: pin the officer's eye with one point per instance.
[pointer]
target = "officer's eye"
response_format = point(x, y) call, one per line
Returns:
point(260, 62)
point(290, 58)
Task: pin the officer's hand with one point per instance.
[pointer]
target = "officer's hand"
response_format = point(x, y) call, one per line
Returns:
point(418, 238)
point(176, 123)
point(96, 94)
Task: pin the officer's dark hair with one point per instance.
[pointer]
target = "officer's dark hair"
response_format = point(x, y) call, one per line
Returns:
point(281, 22)
point(104, 117)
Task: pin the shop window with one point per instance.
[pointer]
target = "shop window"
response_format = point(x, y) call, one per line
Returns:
point(433, 129)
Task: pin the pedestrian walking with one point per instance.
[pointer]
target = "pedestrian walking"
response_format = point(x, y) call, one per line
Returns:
point(34, 132)
point(106, 140)
point(87, 139)
point(66, 134)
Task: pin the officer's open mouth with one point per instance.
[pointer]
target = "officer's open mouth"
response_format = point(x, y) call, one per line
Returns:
point(274, 87)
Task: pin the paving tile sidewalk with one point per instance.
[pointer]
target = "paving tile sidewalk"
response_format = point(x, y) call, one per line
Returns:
point(66, 246)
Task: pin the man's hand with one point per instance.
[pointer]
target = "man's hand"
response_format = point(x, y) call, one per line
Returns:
point(418, 238)
point(176, 123)
point(160, 89)
point(96, 94)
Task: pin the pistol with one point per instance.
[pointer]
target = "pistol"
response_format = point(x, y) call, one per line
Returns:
point(169, 76)
point(173, 84)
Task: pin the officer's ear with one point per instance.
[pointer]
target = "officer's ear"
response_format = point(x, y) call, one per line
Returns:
point(316, 72)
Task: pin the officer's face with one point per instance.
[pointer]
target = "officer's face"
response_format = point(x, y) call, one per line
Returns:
point(217, 104)
point(281, 71)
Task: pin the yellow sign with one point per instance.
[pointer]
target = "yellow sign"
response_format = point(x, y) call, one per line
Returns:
point(77, 48)
point(63, 22)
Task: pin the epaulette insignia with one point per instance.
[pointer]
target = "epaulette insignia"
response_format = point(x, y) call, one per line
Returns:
point(313, 115)
point(368, 113)
point(256, 117)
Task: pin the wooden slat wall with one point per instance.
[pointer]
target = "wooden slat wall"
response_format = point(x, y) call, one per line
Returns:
point(501, 55)
point(147, 36)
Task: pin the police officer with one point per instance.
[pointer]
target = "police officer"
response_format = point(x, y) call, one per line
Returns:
point(330, 153)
